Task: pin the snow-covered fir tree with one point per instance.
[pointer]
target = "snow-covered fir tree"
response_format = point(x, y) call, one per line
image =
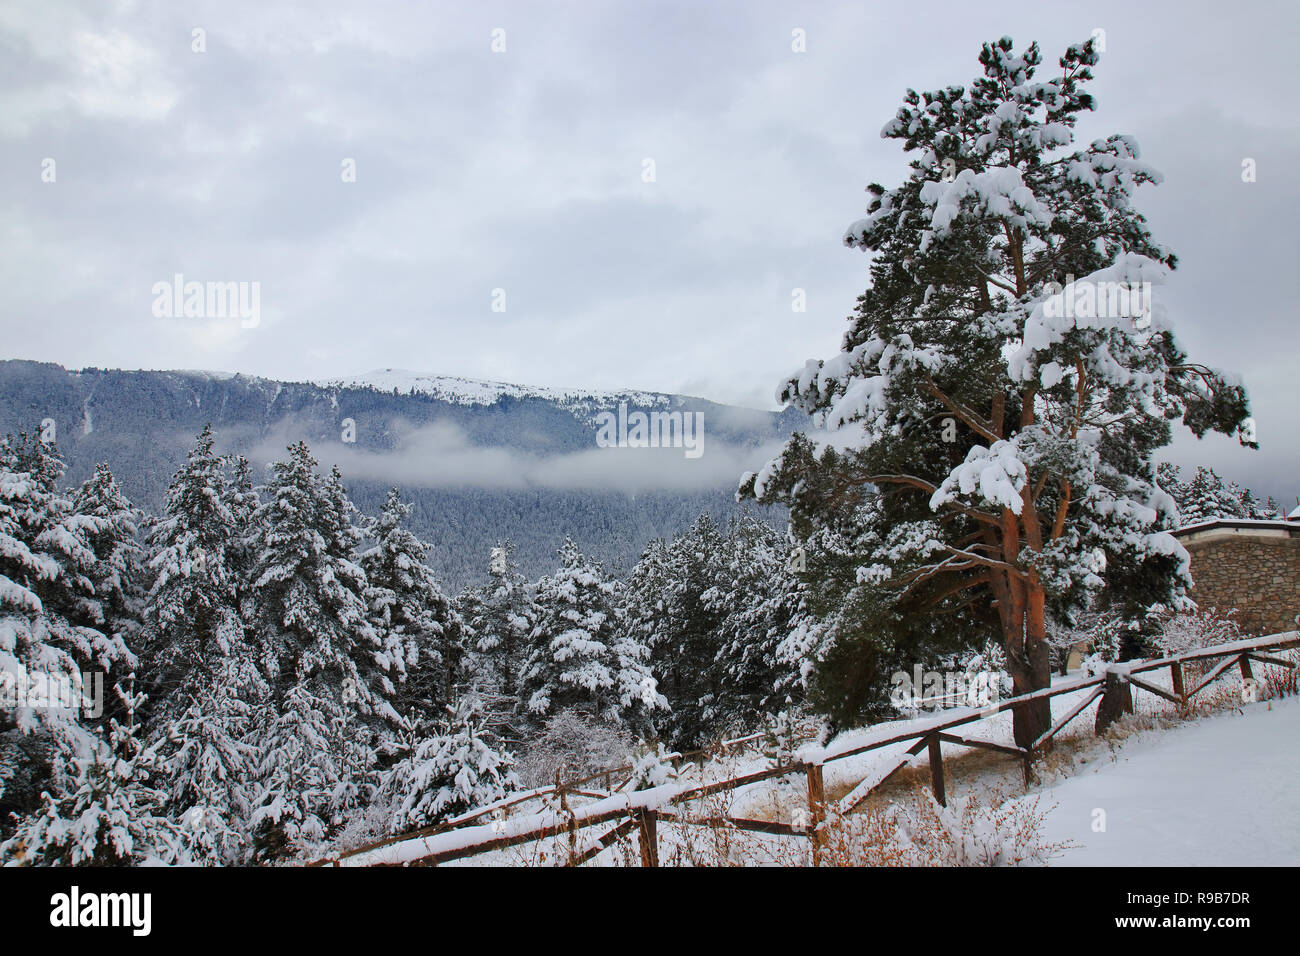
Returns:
point(202, 663)
point(315, 644)
point(668, 614)
point(500, 618)
point(308, 602)
point(420, 634)
point(51, 525)
point(652, 766)
point(193, 619)
point(48, 571)
point(241, 501)
point(1208, 496)
point(1006, 378)
point(109, 524)
point(757, 599)
point(457, 768)
point(311, 769)
point(211, 764)
point(579, 655)
point(111, 814)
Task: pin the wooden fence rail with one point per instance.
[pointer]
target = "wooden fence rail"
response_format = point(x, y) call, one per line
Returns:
point(641, 810)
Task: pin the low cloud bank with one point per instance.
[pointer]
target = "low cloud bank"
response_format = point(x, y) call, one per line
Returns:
point(441, 456)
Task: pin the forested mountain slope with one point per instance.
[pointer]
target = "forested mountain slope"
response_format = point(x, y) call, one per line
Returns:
point(478, 461)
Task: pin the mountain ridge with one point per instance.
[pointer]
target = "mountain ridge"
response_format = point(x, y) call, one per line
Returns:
point(523, 466)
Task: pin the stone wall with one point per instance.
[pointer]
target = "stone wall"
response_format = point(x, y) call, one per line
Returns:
point(1252, 567)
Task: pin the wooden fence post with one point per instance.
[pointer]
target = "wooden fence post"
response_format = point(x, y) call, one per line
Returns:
point(816, 810)
point(571, 826)
point(936, 770)
point(1246, 674)
point(647, 821)
point(1115, 702)
point(1176, 672)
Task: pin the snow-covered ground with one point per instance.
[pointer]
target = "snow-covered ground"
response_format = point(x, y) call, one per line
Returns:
point(1222, 790)
point(1218, 789)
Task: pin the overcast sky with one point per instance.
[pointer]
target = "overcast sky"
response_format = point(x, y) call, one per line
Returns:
point(523, 170)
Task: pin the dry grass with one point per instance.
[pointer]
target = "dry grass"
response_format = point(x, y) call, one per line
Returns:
point(992, 818)
point(1277, 682)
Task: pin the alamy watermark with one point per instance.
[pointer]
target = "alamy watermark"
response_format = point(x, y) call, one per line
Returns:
point(78, 908)
point(626, 429)
point(937, 690)
point(38, 691)
point(1086, 299)
point(179, 299)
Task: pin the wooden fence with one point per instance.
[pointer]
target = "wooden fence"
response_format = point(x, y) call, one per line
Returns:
point(641, 810)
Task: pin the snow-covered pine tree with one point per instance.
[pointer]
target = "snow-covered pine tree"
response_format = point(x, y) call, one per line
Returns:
point(668, 614)
point(112, 813)
point(1003, 420)
point(1169, 477)
point(420, 633)
point(757, 601)
point(51, 526)
point(192, 617)
point(37, 662)
point(501, 618)
point(652, 766)
point(109, 524)
point(201, 663)
point(308, 601)
point(210, 767)
point(52, 628)
point(1209, 496)
point(241, 501)
point(458, 768)
point(309, 612)
point(577, 656)
point(310, 772)
point(1266, 510)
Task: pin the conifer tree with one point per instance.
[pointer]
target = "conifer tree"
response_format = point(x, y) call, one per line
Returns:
point(48, 574)
point(1208, 496)
point(192, 618)
point(757, 599)
point(1006, 378)
point(310, 770)
point(682, 630)
point(211, 764)
point(578, 658)
point(109, 524)
point(315, 646)
point(420, 633)
point(308, 602)
point(456, 769)
point(112, 812)
point(50, 525)
point(501, 618)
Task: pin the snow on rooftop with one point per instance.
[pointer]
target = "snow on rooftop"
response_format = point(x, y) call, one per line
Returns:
point(1249, 522)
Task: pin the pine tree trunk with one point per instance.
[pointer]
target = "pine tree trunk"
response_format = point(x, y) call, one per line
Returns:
point(1029, 660)
point(1029, 657)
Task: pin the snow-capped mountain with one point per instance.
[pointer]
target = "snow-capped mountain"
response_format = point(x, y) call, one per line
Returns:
point(480, 461)
point(474, 391)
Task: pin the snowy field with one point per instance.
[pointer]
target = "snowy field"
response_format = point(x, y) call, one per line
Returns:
point(1221, 790)
point(1216, 789)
